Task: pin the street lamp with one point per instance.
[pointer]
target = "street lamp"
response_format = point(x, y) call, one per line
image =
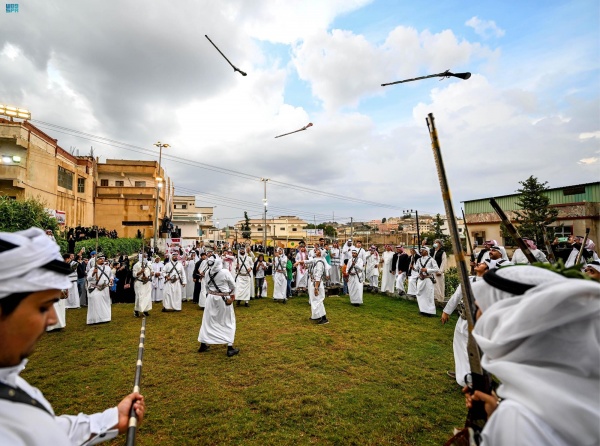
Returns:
point(410, 211)
point(264, 180)
point(159, 181)
point(14, 112)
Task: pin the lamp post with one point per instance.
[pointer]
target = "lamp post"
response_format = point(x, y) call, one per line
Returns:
point(410, 211)
point(159, 181)
point(264, 180)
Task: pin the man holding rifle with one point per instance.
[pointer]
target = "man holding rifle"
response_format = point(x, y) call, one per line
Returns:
point(27, 293)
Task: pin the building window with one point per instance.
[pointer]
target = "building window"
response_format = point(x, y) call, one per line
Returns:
point(65, 178)
point(103, 182)
point(282, 229)
point(81, 185)
point(259, 229)
point(294, 229)
point(562, 231)
point(573, 190)
point(120, 183)
point(180, 206)
point(140, 184)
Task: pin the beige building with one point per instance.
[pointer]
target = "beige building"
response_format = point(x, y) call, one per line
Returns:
point(283, 231)
point(194, 222)
point(126, 197)
point(33, 165)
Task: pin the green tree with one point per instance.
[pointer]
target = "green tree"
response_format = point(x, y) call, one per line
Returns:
point(329, 231)
point(246, 232)
point(18, 215)
point(437, 227)
point(535, 210)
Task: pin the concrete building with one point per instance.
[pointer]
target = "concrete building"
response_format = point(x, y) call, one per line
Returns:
point(578, 208)
point(33, 165)
point(126, 197)
point(194, 222)
point(283, 231)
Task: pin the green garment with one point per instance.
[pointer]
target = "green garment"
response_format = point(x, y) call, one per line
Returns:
point(288, 267)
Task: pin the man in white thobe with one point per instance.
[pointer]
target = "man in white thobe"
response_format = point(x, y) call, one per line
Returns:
point(387, 276)
point(100, 278)
point(413, 275)
point(373, 269)
point(316, 288)
point(347, 251)
point(250, 254)
point(400, 267)
point(519, 258)
point(439, 255)
point(301, 270)
point(425, 267)
point(218, 320)
point(461, 329)
point(175, 282)
point(73, 291)
point(243, 278)
point(202, 272)
point(334, 254)
point(27, 292)
point(158, 280)
point(280, 276)
point(355, 273)
point(142, 275)
point(190, 263)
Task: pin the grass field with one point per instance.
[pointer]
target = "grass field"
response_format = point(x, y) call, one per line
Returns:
point(374, 376)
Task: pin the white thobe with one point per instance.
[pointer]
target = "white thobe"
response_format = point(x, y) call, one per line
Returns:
point(218, 320)
point(279, 278)
point(355, 286)
point(202, 297)
point(253, 259)
point(335, 277)
point(461, 336)
point(158, 282)
point(175, 281)
point(387, 278)
point(73, 292)
point(301, 271)
point(519, 258)
point(439, 288)
point(23, 424)
point(143, 291)
point(61, 315)
point(373, 269)
point(425, 291)
point(189, 271)
point(99, 303)
point(346, 253)
point(317, 300)
point(244, 278)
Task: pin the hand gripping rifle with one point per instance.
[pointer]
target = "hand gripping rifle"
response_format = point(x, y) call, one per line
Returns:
point(513, 232)
point(468, 241)
point(480, 379)
point(133, 418)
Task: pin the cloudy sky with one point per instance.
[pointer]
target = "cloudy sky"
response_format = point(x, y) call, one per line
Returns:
point(119, 76)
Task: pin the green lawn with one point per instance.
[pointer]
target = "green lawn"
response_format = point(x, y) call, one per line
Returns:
point(374, 376)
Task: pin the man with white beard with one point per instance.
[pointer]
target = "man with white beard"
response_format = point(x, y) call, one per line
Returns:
point(158, 280)
point(425, 267)
point(280, 276)
point(190, 263)
point(218, 320)
point(334, 253)
point(142, 274)
point(243, 278)
point(387, 276)
point(373, 269)
point(100, 278)
point(175, 281)
point(355, 272)
point(316, 287)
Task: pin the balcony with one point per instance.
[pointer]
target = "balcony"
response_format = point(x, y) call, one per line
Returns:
point(127, 192)
point(17, 173)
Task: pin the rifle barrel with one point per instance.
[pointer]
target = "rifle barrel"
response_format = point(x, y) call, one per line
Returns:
point(513, 231)
point(133, 419)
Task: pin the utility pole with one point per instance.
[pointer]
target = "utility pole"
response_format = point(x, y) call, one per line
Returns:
point(264, 180)
point(410, 211)
point(159, 182)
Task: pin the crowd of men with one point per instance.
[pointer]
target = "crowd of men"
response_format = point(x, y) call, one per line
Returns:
point(532, 356)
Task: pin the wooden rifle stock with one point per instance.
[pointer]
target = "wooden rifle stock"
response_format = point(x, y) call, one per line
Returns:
point(480, 380)
point(550, 255)
point(513, 232)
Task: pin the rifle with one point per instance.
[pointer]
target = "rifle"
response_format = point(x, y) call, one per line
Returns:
point(480, 379)
point(578, 258)
point(133, 418)
point(469, 241)
point(550, 255)
point(513, 232)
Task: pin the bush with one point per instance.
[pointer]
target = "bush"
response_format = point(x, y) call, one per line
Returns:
point(18, 215)
point(111, 247)
point(452, 279)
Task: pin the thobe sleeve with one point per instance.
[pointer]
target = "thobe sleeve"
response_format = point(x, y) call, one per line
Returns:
point(444, 265)
point(79, 428)
point(453, 302)
point(183, 276)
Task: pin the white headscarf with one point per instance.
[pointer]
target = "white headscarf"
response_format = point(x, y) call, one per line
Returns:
point(21, 267)
point(216, 265)
point(544, 346)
